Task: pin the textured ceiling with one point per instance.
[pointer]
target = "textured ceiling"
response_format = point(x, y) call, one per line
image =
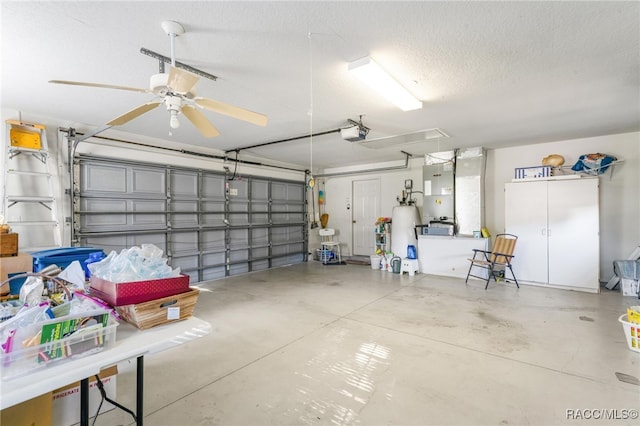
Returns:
point(489, 73)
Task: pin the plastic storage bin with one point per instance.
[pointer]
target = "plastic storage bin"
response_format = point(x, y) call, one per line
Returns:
point(325, 255)
point(63, 257)
point(63, 347)
point(631, 332)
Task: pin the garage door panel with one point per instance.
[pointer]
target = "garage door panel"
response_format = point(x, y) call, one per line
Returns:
point(213, 187)
point(148, 182)
point(184, 184)
point(102, 178)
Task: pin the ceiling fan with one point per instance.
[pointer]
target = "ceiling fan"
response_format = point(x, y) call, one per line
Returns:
point(175, 91)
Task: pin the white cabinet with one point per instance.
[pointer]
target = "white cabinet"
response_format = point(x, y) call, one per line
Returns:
point(557, 224)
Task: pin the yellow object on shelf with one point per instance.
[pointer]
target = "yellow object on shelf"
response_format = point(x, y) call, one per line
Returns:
point(485, 232)
point(25, 139)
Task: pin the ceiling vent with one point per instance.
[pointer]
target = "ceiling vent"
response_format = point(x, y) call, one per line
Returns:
point(407, 139)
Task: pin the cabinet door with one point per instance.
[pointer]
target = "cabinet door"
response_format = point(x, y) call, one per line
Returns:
point(526, 217)
point(574, 246)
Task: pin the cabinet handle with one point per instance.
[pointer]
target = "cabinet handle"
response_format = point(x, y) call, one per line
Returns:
point(543, 232)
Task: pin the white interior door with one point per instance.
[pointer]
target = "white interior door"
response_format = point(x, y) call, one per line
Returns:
point(574, 246)
point(366, 210)
point(526, 217)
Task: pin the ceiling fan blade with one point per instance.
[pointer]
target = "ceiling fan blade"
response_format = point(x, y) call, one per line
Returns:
point(103, 86)
point(232, 111)
point(198, 119)
point(136, 112)
point(181, 81)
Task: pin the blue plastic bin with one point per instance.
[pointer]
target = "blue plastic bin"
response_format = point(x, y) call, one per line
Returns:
point(62, 257)
point(16, 284)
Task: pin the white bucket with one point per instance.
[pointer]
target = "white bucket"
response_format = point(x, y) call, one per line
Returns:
point(375, 261)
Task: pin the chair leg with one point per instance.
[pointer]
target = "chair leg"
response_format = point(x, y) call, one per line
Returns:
point(469, 273)
point(514, 276)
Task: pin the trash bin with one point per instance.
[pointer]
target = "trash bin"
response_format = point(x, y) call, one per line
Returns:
point(375, 261)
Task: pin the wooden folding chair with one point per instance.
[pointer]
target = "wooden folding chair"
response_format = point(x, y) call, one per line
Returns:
point(496, 261)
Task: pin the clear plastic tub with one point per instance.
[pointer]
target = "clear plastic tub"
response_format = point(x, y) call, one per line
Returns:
point(66, 338)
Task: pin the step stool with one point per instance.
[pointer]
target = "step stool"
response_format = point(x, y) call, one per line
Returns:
point(410, 266)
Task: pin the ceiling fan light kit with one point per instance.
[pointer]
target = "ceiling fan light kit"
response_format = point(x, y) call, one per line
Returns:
point(375, 77)
point(178, 95)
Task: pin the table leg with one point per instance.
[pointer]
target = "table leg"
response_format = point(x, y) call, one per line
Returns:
point(140, 390)
point(84, 402)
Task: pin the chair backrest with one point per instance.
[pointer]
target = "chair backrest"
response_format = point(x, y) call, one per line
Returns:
point(504, 244)
point(327, 234)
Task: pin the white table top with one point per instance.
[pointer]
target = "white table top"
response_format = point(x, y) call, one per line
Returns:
point(130, 343)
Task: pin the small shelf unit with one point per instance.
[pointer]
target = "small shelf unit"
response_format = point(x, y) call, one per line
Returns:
point(382, 237)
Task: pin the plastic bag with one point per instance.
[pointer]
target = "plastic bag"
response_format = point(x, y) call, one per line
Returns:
point(31, 291)
point(133, 264)
point(74, 274)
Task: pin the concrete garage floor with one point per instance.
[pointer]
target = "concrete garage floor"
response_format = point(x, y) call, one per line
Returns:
point(339, 345)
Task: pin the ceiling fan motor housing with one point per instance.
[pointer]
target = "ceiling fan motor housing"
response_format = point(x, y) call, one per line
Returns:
point(158, 84)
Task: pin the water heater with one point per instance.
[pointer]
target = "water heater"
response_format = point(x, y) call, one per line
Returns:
point(403, 224)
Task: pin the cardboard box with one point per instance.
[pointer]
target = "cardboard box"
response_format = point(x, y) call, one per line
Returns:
point(66, 400)
point(160, 311)
point(137, 291)
point(535, 172)
point(9, 244)
point(34, 412)
point(23, 262)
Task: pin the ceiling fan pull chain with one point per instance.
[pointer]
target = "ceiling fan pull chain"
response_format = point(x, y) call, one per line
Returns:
point(311, 180)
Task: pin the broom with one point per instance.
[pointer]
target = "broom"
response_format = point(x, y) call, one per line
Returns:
point(324, 219)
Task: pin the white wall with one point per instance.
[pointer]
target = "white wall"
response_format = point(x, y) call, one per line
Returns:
point(619, 188)
point(339, 189)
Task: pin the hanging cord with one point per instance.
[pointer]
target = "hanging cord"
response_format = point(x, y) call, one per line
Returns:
point(235, 168)
point(104, 397)
point(311, 182)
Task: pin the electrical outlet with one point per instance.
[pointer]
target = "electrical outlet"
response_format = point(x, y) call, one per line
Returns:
point(233, 191)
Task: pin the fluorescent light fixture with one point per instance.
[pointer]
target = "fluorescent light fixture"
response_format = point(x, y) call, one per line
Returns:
point(404, 140)
point(374, 76)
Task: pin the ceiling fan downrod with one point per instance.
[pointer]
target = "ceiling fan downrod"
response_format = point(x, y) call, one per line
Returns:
point(173, 30)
